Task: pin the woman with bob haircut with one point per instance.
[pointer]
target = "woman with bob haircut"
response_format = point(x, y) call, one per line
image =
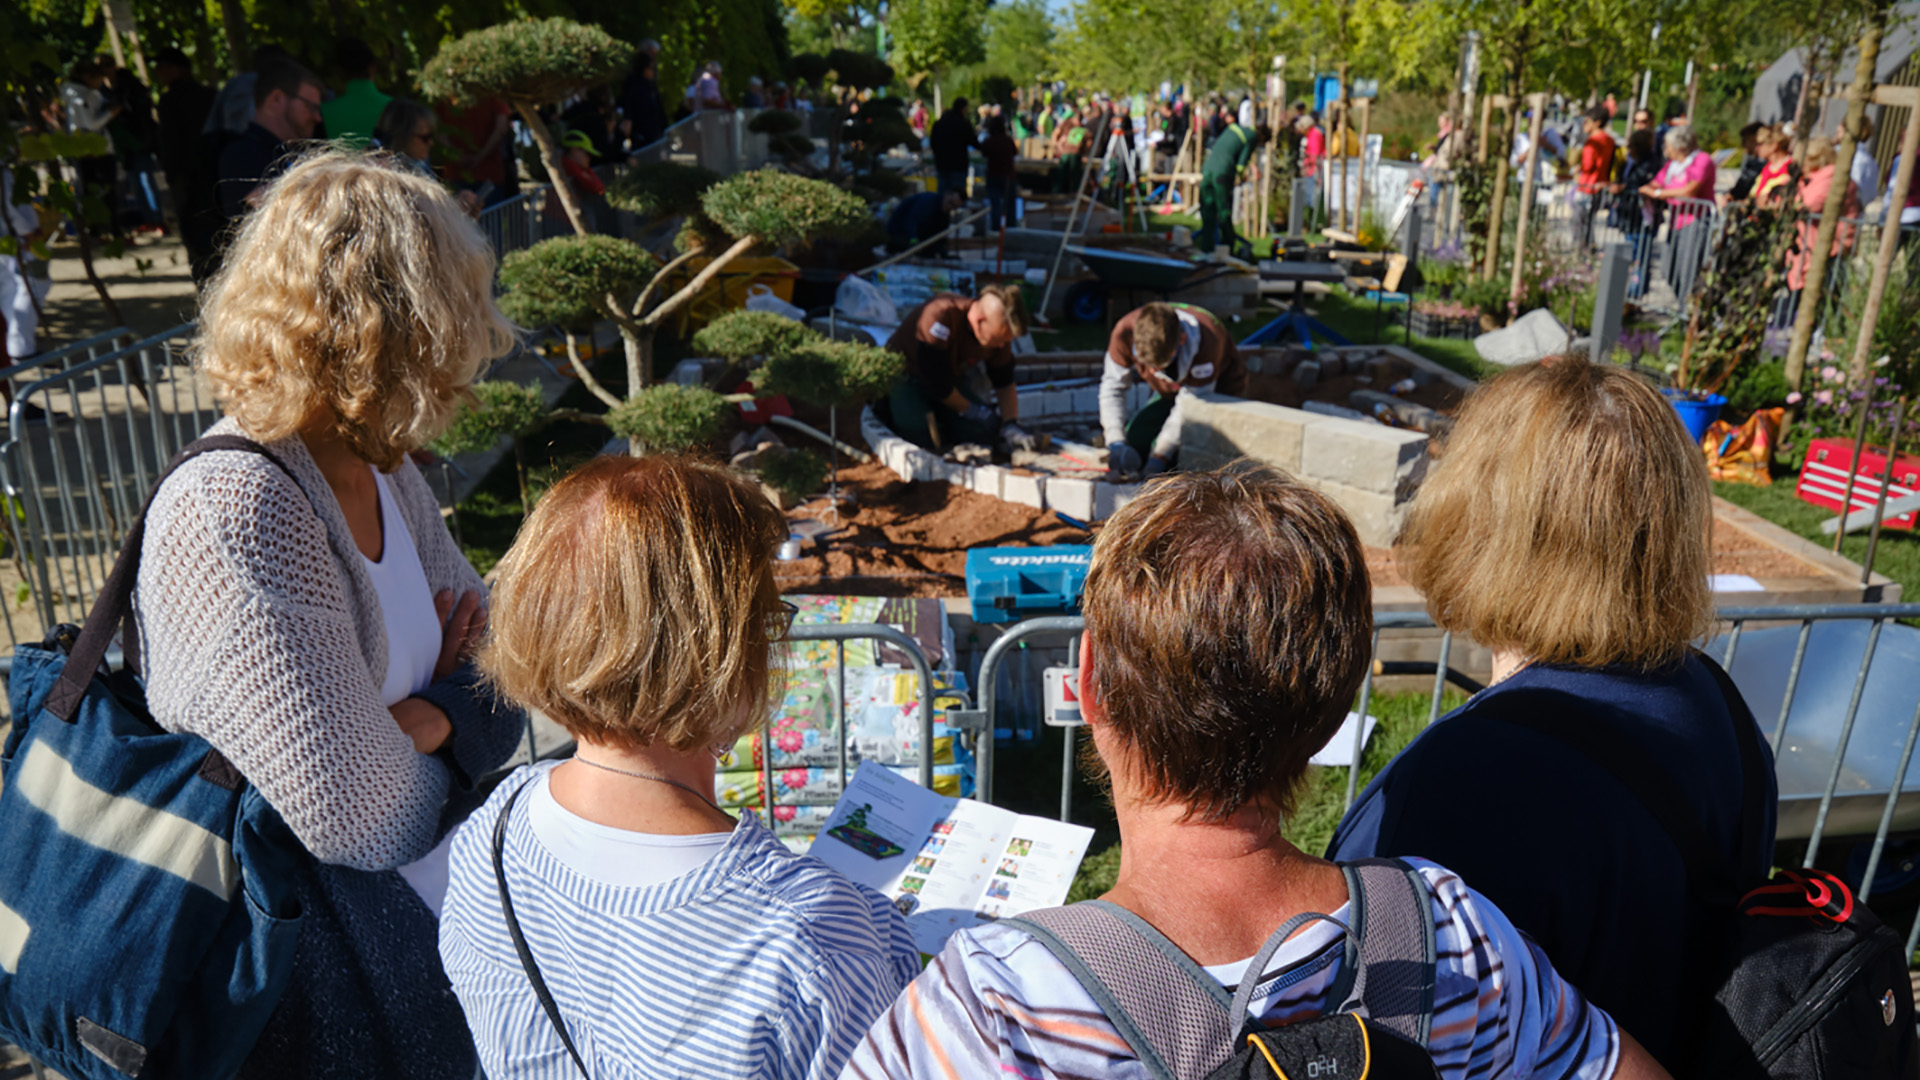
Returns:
point(638, 609)
point(1228, 623)
point(314, 627)
point(1567, 527)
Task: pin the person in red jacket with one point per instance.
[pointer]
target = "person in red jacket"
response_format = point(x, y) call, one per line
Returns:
point(1172, 348)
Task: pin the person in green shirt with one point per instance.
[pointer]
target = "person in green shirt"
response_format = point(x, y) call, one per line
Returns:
point(1226, 160)
point(355, 111)
point(1070, 141)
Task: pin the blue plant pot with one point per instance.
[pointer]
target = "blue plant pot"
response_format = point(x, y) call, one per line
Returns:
point(1697, 414)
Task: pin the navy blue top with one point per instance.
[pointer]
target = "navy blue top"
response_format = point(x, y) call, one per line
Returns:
point(1557, 843)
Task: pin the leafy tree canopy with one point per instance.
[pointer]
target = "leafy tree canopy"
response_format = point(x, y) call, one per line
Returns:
point(781, 208)
point(660, 188)
point(832, 373)
point(671, 417)
point(499, 408)
point(565, 281)
point(746, 335)
point(532, 62)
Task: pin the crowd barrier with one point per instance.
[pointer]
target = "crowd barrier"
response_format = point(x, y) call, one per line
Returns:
point(1825, 792)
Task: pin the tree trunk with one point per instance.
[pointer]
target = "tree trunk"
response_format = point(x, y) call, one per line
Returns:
point(1858, 371)
point(233, 19)
point(550, 156)
point(1816, 279)
point(1497, 213)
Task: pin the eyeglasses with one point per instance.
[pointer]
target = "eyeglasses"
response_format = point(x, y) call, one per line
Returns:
point(312, 105)
point(780, 623)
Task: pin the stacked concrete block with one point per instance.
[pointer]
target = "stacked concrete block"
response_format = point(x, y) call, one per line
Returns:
point(1109, 498)
point(1025, 490)
point(1370, 470)
point(1073, 498)
point(988, 479)
point(1087, 401)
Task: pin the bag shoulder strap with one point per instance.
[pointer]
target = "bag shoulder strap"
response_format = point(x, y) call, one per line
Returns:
point(115, 602)
point(519, 940)
point(1170, 1012)
point(1396, 971)
point(1654, 788)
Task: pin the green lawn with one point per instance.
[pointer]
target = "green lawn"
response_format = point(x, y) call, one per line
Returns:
point(1898, 555)
point(1322, 796)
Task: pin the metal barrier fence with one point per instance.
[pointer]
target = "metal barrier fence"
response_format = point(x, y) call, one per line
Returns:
point(1833, 776)
point(77, 478)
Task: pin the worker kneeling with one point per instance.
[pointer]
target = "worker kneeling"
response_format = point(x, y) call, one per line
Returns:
point(958, 386)
point(1174, 348)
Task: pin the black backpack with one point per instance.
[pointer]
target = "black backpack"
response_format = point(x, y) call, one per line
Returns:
point(1180, 1023)
point(1807, 983)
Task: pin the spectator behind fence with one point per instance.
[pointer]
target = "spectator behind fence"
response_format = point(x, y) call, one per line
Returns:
point(1566, 527)
point(638, 609)
point(184, 102)
point(1774, 180)
point(1818, 173)
point(1228, 620)
point(1751, 162)
point(314, 628)
point(286, 110)
point(952, 140)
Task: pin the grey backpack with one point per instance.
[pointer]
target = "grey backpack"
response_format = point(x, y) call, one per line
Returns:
point(1181, 1024)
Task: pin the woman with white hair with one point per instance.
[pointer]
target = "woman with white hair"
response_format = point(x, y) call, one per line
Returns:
point(1688, 175)
point(309, 615)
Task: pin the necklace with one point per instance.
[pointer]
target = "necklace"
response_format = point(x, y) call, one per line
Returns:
point(657, 779)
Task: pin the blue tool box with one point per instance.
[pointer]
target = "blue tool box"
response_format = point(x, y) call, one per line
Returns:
point(1006, 584)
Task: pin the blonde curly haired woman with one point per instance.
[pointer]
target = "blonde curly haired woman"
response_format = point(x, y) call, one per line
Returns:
point(313, 624)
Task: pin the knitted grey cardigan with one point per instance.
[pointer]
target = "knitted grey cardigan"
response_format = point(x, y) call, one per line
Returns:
point(263, 635)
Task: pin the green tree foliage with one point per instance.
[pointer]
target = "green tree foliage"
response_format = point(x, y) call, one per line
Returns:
point(751, 335)
point(499, 408)
point(831, 373)
point(533, 62)
point(793, 472)
point(780, 208)
point(670, 417)
point(661, 188)
point(933, 36)
point(564, 281)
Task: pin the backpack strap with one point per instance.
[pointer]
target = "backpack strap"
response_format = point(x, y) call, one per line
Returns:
point(1178, 1019)
point(1653, 787)
point(1396, 972)
point(114, 605)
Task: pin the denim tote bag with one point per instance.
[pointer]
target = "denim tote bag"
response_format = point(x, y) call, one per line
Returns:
point(148, 913)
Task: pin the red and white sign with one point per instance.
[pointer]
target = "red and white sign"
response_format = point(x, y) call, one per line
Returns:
point(1823, 479)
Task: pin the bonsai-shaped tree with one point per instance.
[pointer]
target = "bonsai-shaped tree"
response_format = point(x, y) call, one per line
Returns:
point(574, 281)
point(802, 363)
point(782, 129)
point(530, 63)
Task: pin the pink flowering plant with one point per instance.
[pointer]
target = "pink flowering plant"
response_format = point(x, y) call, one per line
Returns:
point(1830, 408)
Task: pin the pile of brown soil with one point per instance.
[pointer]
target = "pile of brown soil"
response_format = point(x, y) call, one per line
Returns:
point(906, 539)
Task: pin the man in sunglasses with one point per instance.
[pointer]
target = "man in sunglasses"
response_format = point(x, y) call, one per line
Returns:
point(286, 111)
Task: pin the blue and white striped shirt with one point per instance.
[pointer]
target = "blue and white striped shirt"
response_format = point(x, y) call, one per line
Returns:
point(759, 963)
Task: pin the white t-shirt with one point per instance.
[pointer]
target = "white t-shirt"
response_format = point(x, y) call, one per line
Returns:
point(406, 604)
point(613, 856)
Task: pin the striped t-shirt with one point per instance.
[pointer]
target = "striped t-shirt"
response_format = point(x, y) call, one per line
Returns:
point(996, 1002)
point(759, 962)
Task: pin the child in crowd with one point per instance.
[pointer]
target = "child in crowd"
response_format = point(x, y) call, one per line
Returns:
point(638, 610)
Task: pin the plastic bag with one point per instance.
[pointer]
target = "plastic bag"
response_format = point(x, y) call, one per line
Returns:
point(761, 298)
point(1744, 455)
point(862, 300)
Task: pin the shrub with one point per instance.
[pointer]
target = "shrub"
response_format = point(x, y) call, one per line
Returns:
point(774, 122)
point(564, 281)
point(832, 373)
point(671, 417)
point(661, 188)
point(781, 208)
point(859, 70)
point(746, 335)
point(500, 408)
point(535, 61)
point(810, 68)
point(794, 473)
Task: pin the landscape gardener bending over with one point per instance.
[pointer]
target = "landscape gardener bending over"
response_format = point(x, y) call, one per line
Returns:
point(1172, 348)
point(958, 386)
point(1226, 160)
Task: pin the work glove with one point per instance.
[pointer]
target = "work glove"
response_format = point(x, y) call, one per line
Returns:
point(978, 413)
point(1123, 461)
point(1155, 466)
point(1017, 438)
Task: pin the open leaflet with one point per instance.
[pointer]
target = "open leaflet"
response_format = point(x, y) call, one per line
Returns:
point(947, 863)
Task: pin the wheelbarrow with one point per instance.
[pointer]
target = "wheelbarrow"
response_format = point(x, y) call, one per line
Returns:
point(1132, 270)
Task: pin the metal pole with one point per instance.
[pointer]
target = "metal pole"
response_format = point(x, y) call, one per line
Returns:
point(1360, 725)
point(1886, 812)
point(1793, 682)
point(1440, 677)
point(1853, 468)
point(1840, 751)
point(990, 670)
point(1880, 504)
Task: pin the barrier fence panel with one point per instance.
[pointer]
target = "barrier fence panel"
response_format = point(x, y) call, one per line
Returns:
point(1831, 685)
point(78, 479)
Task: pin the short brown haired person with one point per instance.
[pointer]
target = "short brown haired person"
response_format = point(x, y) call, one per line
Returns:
point(958, 386)
point(1174, 348)
point(1566, 526)
point(1228, 625)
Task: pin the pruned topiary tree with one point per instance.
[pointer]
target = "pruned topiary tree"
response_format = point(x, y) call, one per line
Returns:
point(782, 129)
point(530, 63)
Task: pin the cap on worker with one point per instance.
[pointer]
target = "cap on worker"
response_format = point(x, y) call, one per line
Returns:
point(577, 140)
